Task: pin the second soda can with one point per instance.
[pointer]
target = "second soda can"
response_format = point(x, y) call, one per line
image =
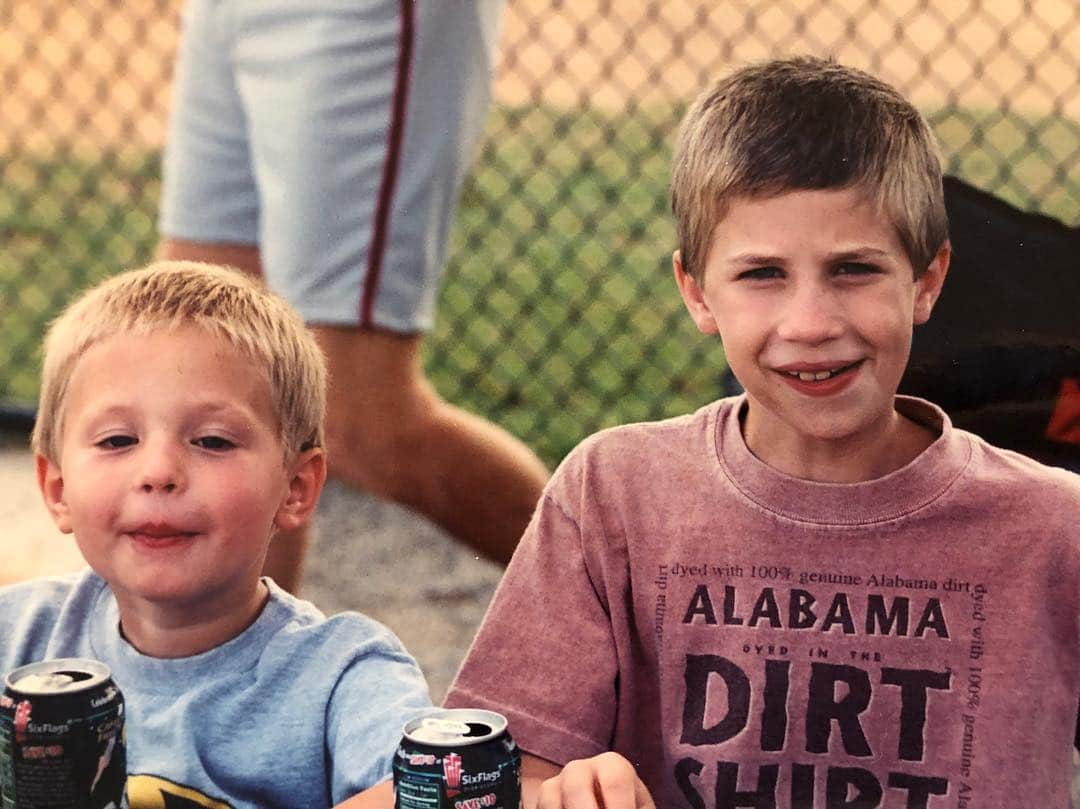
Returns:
point(458, 759)
point(62, 737)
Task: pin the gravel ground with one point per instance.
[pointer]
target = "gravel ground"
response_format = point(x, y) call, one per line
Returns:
point(391, 564)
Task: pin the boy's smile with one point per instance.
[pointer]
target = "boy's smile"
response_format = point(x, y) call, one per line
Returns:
point(820, 379)
point(814, 298)
point(172, 472)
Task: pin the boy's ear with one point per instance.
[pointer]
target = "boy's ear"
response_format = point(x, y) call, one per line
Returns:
point(928, 286)
point(307, 476)
point(694, 297)
point(51, 484)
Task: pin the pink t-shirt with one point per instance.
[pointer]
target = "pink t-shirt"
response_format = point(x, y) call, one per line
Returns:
point(749, 639)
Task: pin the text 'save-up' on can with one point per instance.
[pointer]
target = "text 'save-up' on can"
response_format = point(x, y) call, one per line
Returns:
point(62, 737)
point(458, 758)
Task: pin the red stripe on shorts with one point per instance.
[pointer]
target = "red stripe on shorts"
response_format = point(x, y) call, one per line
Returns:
point(394, 138)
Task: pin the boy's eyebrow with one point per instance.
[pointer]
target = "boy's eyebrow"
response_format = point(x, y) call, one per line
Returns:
point(859, 253)
point(754, 258)
point(108, 410)
point(209, 407)
point(213, 407)
point(758, 259)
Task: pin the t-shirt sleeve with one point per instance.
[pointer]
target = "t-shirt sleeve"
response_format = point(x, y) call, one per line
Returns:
point(377, 693)
point(544, 656)
point(29, 612)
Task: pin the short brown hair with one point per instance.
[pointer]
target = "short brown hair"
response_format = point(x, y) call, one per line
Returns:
point(800, 124)
point(170, 294)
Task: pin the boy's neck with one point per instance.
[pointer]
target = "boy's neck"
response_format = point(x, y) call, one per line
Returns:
point(854, 459)
point(169, 631)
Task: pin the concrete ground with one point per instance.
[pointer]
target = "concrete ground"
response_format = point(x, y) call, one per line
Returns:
point(366, 555)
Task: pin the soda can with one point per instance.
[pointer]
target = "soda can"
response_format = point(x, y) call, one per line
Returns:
point(62, 737)
point(457, 758)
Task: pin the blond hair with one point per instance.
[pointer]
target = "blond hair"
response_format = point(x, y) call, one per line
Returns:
point(800, 124)
point(171, 294)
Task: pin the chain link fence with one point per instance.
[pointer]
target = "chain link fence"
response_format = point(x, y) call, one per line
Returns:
point(558, 314)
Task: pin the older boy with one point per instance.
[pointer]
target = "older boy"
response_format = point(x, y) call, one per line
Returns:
point(180, 428)
point(818, 594)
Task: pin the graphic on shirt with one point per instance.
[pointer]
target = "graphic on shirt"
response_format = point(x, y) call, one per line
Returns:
point(822, 690)
point(152, 792)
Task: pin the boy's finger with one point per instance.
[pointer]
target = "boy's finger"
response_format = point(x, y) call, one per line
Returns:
point(616, 782)
point(550, 795)
point(561, 792)
point(642, 798)
point(578, 783)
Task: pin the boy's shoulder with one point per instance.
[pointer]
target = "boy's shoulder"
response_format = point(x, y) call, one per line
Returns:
point(993, 480)
point(33, 612)
point(1003, 472)
point(42, 588)
point(340, 640)
point(46, 595)
point(636, 445)
point(348, 666)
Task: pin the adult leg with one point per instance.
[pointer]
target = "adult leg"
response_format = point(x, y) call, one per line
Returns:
point(398, 439)
point(354, 233)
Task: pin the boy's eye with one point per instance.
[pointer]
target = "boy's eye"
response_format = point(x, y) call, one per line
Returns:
point(856, 268)
point(760, 273)
point(213, 442)
point(117, 441)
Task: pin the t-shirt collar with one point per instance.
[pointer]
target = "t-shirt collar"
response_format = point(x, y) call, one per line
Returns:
point(890, 497)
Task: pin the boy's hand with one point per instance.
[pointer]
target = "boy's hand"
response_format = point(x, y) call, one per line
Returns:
point(606, 781)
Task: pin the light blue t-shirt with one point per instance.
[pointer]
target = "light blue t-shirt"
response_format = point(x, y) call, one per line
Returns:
point(297, 711)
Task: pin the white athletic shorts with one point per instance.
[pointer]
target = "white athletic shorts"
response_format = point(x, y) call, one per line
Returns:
point(334, 134)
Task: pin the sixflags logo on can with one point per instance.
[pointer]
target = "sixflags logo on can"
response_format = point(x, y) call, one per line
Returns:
point(452, 770)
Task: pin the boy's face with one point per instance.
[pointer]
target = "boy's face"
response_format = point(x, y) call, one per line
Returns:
point(172, 473)
point(814, 299)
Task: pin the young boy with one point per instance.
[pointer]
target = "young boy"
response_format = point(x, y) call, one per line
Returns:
point(818, 594)
point(180, 428)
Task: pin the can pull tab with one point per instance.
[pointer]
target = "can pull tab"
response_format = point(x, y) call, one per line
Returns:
point(444, 727)
point(45, 683)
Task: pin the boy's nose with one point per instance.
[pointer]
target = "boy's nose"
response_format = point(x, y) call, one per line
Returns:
point(162, 470)
point(811, 315)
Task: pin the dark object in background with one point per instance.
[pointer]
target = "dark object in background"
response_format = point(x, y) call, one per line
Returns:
point(1001, 353)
